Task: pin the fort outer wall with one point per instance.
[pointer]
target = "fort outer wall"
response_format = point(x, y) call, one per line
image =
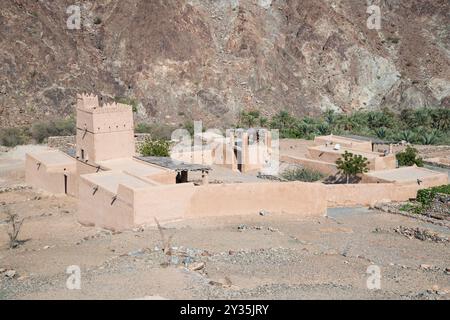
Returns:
point(368, 194)
point(137, 206)
point(131, 207)
point(305, 199)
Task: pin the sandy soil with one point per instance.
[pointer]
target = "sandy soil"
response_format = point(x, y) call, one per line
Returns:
point(276, 256)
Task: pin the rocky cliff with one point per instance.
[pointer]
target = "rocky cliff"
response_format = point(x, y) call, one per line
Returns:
point(209, 59)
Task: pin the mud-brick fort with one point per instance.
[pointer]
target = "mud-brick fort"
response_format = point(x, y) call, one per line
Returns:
point(118, 190)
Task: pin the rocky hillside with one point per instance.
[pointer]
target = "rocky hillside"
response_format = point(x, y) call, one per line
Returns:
point(209, 59)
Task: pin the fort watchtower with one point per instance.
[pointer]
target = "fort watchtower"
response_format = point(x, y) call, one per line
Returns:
point(103, 132)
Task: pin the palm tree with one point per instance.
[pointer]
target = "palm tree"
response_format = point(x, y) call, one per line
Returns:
point(429, 138)
point(441, 119)
point(381, 132)
point(406, 135)
point(329, 116)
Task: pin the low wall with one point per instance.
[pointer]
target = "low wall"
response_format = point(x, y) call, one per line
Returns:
point(316, 165)
point(367, 194)
point(304, 199)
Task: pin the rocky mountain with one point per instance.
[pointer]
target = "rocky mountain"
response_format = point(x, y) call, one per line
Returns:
point(209, 59)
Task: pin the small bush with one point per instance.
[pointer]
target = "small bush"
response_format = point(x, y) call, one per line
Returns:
point(12, 137)
point(129, 101)
point(156, 130)
point(14, 226)
point(305, 175)
point(408, 207)
point(155, 148)
point(426, 196)
point(42, 130)
point(409, 158)
point(351, 165)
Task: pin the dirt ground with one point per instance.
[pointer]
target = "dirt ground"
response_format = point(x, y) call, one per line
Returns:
point(270, 256)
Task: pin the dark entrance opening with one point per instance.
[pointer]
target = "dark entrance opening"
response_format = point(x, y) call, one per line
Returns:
point(65, 184)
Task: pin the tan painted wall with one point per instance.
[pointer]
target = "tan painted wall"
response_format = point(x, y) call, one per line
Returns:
point(321, 166)
point(98, 210)
point(249, 198)
point(165, 202)
point(50, 178)
point(105, 146)
point(348, 195)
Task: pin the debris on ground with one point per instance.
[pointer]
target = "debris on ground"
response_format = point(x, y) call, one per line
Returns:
point(415, 233)
point(420, 234)
point(10, 273)
point(244, 227)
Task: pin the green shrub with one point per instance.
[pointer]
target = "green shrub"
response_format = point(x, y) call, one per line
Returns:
point(352, 164)
point(305, 175)
point(129, 101)
point(409, 207)
point(409, 158)
point(158, 131)
point(12, 137)
point(155, 148)
point(42, 130)
point(426, 196)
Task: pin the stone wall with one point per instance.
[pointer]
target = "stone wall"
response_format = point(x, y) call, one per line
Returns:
point(65, 143)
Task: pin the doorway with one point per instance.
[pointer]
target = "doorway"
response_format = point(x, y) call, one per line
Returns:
point(65, 184)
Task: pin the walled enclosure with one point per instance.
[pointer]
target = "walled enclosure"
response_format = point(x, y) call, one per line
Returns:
point(117, 191)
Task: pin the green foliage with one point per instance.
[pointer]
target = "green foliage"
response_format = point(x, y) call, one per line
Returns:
point(409, 158)
point(409, 207)
point(351, 165)
point(421, 126)
point(158, 131)
point(11, 137)
point(40, 131)
point(428, 138)
point(189, 126)
point(156, 148)
point(426, 196)
point(249, 119)
point(381, 132)
point(129, 101)
point(406, 135)
point(302, 174)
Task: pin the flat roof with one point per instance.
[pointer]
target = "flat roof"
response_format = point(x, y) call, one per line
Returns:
point(173, 164)
point(369, 139)
point(343, 149)
point(404, 174)
point(110, 180)
point(53, 158)
point(342, 139)
point(132, 166)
